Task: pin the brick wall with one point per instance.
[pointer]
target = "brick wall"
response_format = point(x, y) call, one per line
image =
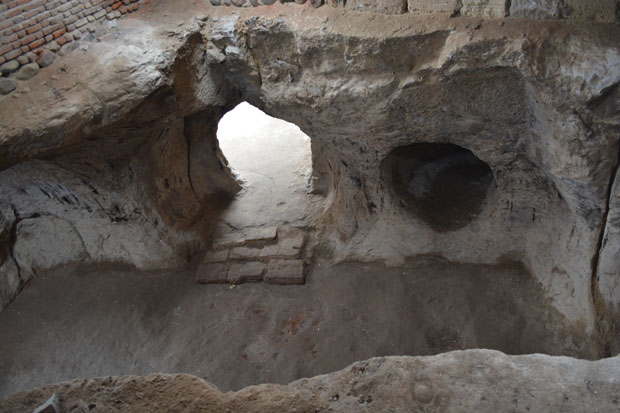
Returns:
point(29, 26)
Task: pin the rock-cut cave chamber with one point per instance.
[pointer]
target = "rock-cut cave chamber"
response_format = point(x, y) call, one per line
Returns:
point(443, 184)
point(258, 193)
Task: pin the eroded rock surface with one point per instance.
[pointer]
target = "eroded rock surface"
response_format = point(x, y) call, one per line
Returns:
point(604, 11)
point(125, 138)
point(106, 167)
point(490, 90)
point(465, 381)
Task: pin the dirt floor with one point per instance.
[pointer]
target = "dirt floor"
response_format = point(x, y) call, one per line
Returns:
point(78, 322)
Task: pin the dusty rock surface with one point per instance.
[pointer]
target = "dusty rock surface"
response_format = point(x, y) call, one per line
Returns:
point(603, 11)
point(461, 381)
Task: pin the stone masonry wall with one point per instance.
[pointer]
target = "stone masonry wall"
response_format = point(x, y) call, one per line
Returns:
point(602, 11)
point(31, 29)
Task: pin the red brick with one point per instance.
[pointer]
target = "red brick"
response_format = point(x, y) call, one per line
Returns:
point(33, 12)
point(36, 44)
point(62, 40)
point(6, 48)
point(28, 39)
point(52, 5)
point(13, 13)
point(59, 33)
point(11, 38)
point(34, 29)
point(50, 29)
point(35, 4)
point(43, 16)
point(12, 54)
point(5, 24)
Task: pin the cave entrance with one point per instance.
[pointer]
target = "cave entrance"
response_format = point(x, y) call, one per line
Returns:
point(445, 185)
point(272, 159)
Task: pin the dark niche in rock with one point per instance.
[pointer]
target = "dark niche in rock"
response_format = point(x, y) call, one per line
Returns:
point(442, 184)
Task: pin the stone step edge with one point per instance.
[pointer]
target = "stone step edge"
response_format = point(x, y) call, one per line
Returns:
point(252, 236)
point(286, 247)
point(275, 271)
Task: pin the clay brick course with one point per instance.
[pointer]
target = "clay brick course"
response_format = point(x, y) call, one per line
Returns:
point(31, 24)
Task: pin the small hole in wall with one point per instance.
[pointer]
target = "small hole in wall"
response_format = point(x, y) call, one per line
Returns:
point(442, 184)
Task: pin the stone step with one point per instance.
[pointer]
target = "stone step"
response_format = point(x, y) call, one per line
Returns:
point(255, 255)
point(252, 236)
point(287, 272)
point(276, 271)
point(216, 256)
point(239, 273)
point(212, 273)
point(288, 246)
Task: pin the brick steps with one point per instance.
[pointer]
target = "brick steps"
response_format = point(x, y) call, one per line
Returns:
point(256, 255)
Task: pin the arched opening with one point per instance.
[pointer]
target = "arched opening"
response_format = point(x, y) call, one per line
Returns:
point(272, 160)
point(442, 184)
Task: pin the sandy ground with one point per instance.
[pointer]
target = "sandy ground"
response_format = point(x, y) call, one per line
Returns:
point(78, 322)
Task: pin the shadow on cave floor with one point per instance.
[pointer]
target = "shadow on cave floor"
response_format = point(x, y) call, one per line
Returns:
point(273, 160)
point(77, 322)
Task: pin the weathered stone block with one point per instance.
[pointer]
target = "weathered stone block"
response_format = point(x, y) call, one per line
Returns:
point(249, 253)
point(535, 9)
point(246, 272)
point(250, 236)
point(602, 11)
point(27, 72)
point(216, 256)
point(261, 234)
point(234, 239)
point(216, 273)
point(286, 272)
point(7, 86)
point(9, 67)
point(268, 251)
point(291, 246)
point(378, 6)
point(244, 253)
point(493, 9)
point(46, 58)
point(432, 6)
